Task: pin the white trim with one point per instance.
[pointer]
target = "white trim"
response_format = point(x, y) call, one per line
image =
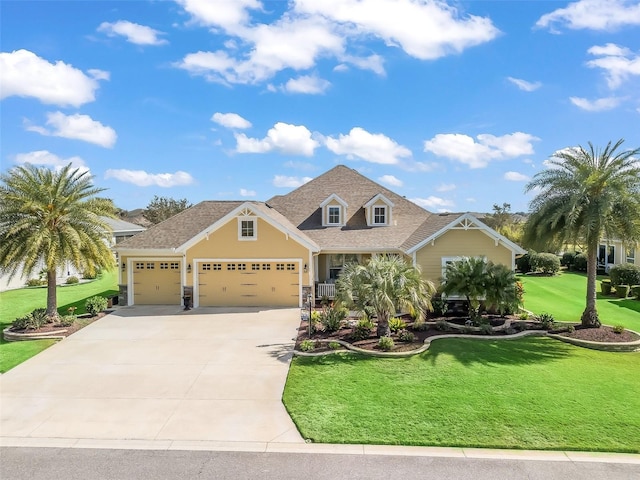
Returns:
point(469, 222)
point(386, 215)
point(252, 219)
point(328, 223)
point(196, 261)
point(370, 214)
point(130, 262)
point(332, 197)
point(377, 197)
point(233, 214)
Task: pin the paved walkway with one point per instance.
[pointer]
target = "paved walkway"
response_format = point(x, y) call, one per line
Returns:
point(157, 374)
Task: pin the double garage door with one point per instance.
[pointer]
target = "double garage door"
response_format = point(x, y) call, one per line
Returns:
point(248, 283)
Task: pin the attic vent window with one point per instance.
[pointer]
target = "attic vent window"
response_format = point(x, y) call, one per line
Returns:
point(247, 228)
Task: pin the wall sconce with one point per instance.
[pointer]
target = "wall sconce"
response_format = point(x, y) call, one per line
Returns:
point(124, 266)
point(306, 268)
point(189, 268)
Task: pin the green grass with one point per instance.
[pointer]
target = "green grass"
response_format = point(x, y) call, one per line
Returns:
point(564, 295)
point(533, 393)
point(15, 303)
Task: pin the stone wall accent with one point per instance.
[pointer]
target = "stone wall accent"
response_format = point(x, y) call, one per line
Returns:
point(123, 295)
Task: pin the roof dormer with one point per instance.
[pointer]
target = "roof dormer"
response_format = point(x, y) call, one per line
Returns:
point(378, 211)
point(334, 211)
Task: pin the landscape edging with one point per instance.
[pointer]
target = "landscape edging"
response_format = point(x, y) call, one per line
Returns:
point(10, 336)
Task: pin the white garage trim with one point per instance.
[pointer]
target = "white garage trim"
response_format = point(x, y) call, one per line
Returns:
point(197, 261)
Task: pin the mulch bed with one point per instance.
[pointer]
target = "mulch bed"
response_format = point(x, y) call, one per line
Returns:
point(55, 329)
point(602, 334)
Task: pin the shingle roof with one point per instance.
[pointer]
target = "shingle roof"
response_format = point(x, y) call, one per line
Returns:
point(118, 225)
point(302, 208)
point(179, 229)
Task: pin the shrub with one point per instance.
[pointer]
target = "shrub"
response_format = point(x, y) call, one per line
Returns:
point(568, 258)
point(89, 275)
point(547, 321)
point(524, 262)
point(580, 262)
point(406, 336)
point(72, 280)
point(571, 329)
point(486, 329)
point(362, 329)
point(396, 324)
point(605, 286)
point(32, 321)
point(67, 320)
point(22, 323)
point(385, 343)
point(523, 316)
point(35, 282)
point(622, 291)
point(334, 345)
point(420, 326)
point(331, 318)
point(635, 291)
point(307, 345)
point(547, 263)
point(440, 306)
point(625, 274)
point(442, 325)
point(467, 329)
point(95, 305)
point(618, 328)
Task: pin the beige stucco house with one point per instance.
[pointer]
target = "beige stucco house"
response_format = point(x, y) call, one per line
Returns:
point(275, 253)
point(615, 252)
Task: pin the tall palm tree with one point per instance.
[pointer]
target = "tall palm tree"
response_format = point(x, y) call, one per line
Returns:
point(587, 194)
point(385, 284)
point(48, 219)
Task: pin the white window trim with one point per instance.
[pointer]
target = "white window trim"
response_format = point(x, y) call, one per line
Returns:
point(386, 214)
point(631, 259)
point(255, 228)
point(329, 222)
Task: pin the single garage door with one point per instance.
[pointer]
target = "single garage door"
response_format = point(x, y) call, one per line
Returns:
point(249, 284)
point(156, 283)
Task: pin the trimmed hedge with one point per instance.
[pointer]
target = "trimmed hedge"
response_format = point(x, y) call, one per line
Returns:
point(625, 274)
point(548, 263)
point(580, 262)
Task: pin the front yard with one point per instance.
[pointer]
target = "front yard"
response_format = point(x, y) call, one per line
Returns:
point(15, 303)
point(533, 393)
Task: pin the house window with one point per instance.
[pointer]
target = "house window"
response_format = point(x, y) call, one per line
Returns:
point(247, 229)
point(139, 266)
point(606, 254)
point(242, 266)
point(631, 255)
point(333, 215)
point(379, 215)
point(338, 261)
point(291, 266)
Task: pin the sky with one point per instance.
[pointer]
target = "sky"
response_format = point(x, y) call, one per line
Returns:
point(455, 105)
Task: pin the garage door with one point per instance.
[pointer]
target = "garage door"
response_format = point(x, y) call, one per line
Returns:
point(156, 283)
point(249, 284)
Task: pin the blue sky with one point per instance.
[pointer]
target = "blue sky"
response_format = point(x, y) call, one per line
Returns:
point(454, 105)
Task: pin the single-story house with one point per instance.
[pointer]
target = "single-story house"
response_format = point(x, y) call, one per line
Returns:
point(615, 252)
point(276, 253)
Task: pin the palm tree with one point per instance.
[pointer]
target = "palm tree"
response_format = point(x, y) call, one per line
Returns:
point(501, 291)
point(385, 284)
point(466, 277)
point(586, 194)
point(48, 219)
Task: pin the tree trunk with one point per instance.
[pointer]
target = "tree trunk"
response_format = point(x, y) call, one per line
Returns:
point(383, 325)
point(52, 299)
point(590, 315)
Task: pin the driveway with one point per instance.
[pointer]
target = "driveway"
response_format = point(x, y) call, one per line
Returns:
point(156, 373)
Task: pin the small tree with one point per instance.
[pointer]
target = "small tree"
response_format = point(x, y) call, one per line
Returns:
point(162, 208)
point(385, 284)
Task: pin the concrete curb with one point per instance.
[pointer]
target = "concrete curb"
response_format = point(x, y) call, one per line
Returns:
point(323, 448)
point(10, 336)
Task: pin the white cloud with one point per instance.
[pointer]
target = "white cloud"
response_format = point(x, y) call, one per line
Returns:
point(515, 177)
point(597, 105)
point(371, 147)
point(133, 32)
point(334, 29)
point(283, 137)
point(464, 149)
point(304, 166)
point(593, 15)
point(390, 180)
point(247, 193)
point(289, 182)
point(445, 187)
point(79, 127)
point(48, 159)
point(230, 120)
point(619, 63)
point(24, 74)
point(309, 84)
point(524, 85)
point(433, 202)
point(423, 29)
point(144, 179)
point(99, 74)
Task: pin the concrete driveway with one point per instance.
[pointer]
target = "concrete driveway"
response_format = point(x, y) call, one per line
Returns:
point(157, 373)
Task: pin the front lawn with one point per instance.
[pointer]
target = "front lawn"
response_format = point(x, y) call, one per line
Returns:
point(15, 303)
point(563, 296)
point(532, 393)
